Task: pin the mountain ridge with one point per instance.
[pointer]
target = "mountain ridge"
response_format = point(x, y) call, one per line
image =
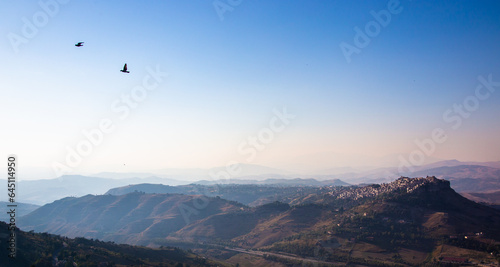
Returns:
point(127, 219)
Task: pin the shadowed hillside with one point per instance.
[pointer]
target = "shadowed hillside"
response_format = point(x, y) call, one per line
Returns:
point(133, 218)
point(35, 249)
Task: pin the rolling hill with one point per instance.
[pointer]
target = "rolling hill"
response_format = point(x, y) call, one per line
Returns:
point(409, 221)
point(133, 218)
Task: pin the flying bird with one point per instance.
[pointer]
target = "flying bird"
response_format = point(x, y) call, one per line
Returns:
point(79, 44)
point(125, 69)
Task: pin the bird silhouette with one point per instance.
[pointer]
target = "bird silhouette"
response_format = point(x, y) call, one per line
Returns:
point(125, 69)
point(79, 44)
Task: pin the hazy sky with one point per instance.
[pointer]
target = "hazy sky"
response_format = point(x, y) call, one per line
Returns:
point(319, 84)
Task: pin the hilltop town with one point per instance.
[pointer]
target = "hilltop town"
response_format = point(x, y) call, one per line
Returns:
point(401, 185)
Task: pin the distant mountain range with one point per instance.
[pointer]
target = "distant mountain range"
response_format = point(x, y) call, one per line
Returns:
point(40, 192)
point(492, 198)
point(411, 221)
point(289, 182)
point(464, 176)
point(475, 177)
point(249, 171)
point(381, 175)
point(248, 194)
point(462, 172)
point(468, 178)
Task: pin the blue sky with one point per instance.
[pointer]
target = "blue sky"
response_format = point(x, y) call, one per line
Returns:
point(225, 78)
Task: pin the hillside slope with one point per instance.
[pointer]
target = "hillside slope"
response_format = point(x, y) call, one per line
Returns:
point(34, 249)
point(406, 221)
point(133, 218)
